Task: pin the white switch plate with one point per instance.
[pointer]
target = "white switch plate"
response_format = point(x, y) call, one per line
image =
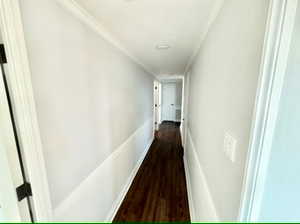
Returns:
point(230, 146)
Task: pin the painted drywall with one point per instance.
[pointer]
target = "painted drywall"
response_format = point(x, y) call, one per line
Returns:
point(281, 195)
point(223, 83)
point(110, 180)
point(90, 98)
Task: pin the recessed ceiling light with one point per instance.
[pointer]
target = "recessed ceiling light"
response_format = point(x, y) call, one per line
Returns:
point(162, 47)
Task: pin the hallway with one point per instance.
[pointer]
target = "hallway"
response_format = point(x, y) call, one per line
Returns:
point(96, 110)
point(158, 192)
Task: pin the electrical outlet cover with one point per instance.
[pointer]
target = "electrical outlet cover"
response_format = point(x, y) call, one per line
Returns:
point(230, 146)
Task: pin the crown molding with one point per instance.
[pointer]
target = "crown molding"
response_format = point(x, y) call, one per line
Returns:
point(162, 78)
point(89, 20)
point(214, 14)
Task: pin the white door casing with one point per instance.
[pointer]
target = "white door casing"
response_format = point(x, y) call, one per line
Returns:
point(21, 92)
point(274, 62)
point(156, 95)
point(10, 170)
point(185, 101)
point(159, 102)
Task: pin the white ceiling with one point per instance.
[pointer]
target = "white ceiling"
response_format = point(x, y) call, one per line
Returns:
point(140, 25)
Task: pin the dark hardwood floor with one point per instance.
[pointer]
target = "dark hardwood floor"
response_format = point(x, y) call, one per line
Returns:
point(158, 192)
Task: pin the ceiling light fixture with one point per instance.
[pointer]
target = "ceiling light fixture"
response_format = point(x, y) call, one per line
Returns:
point(162, 47)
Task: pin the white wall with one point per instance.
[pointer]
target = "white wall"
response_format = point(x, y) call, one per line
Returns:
point(94, 109)
point(223, 82)
point(281, 195)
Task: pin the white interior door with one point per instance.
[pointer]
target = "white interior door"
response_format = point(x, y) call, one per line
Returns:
point(168, 101)
point(10, 170)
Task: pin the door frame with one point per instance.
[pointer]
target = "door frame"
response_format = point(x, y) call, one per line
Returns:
point(9, 202)
point(278, 37)
point(167, 78)
point(185, 109)
point(20, 86)
point(156, 105)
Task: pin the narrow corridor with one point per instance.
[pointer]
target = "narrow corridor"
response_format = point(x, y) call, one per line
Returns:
point(90, 80)
point(158, 192)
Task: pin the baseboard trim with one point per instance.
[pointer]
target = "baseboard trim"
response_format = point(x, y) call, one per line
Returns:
point(189, 189)
point(126, 187)
point(65, 210)
point(214, 217)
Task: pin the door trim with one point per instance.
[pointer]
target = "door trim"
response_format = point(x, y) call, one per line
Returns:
point(156, 105)
point(19, 82)
point(278, 37)
point(9, 202)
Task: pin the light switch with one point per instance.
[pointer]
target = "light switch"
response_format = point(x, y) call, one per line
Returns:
point(230, 146)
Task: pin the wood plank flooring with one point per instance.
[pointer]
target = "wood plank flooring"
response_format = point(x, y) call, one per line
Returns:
point(158, 192)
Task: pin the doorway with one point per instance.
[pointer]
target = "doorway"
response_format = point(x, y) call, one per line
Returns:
point(157, 104)
point(172, 100)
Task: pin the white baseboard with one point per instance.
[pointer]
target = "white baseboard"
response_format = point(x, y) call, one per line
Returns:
point(201, 203)
point(189, 189)
point(126, 187)
point(98, 197)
